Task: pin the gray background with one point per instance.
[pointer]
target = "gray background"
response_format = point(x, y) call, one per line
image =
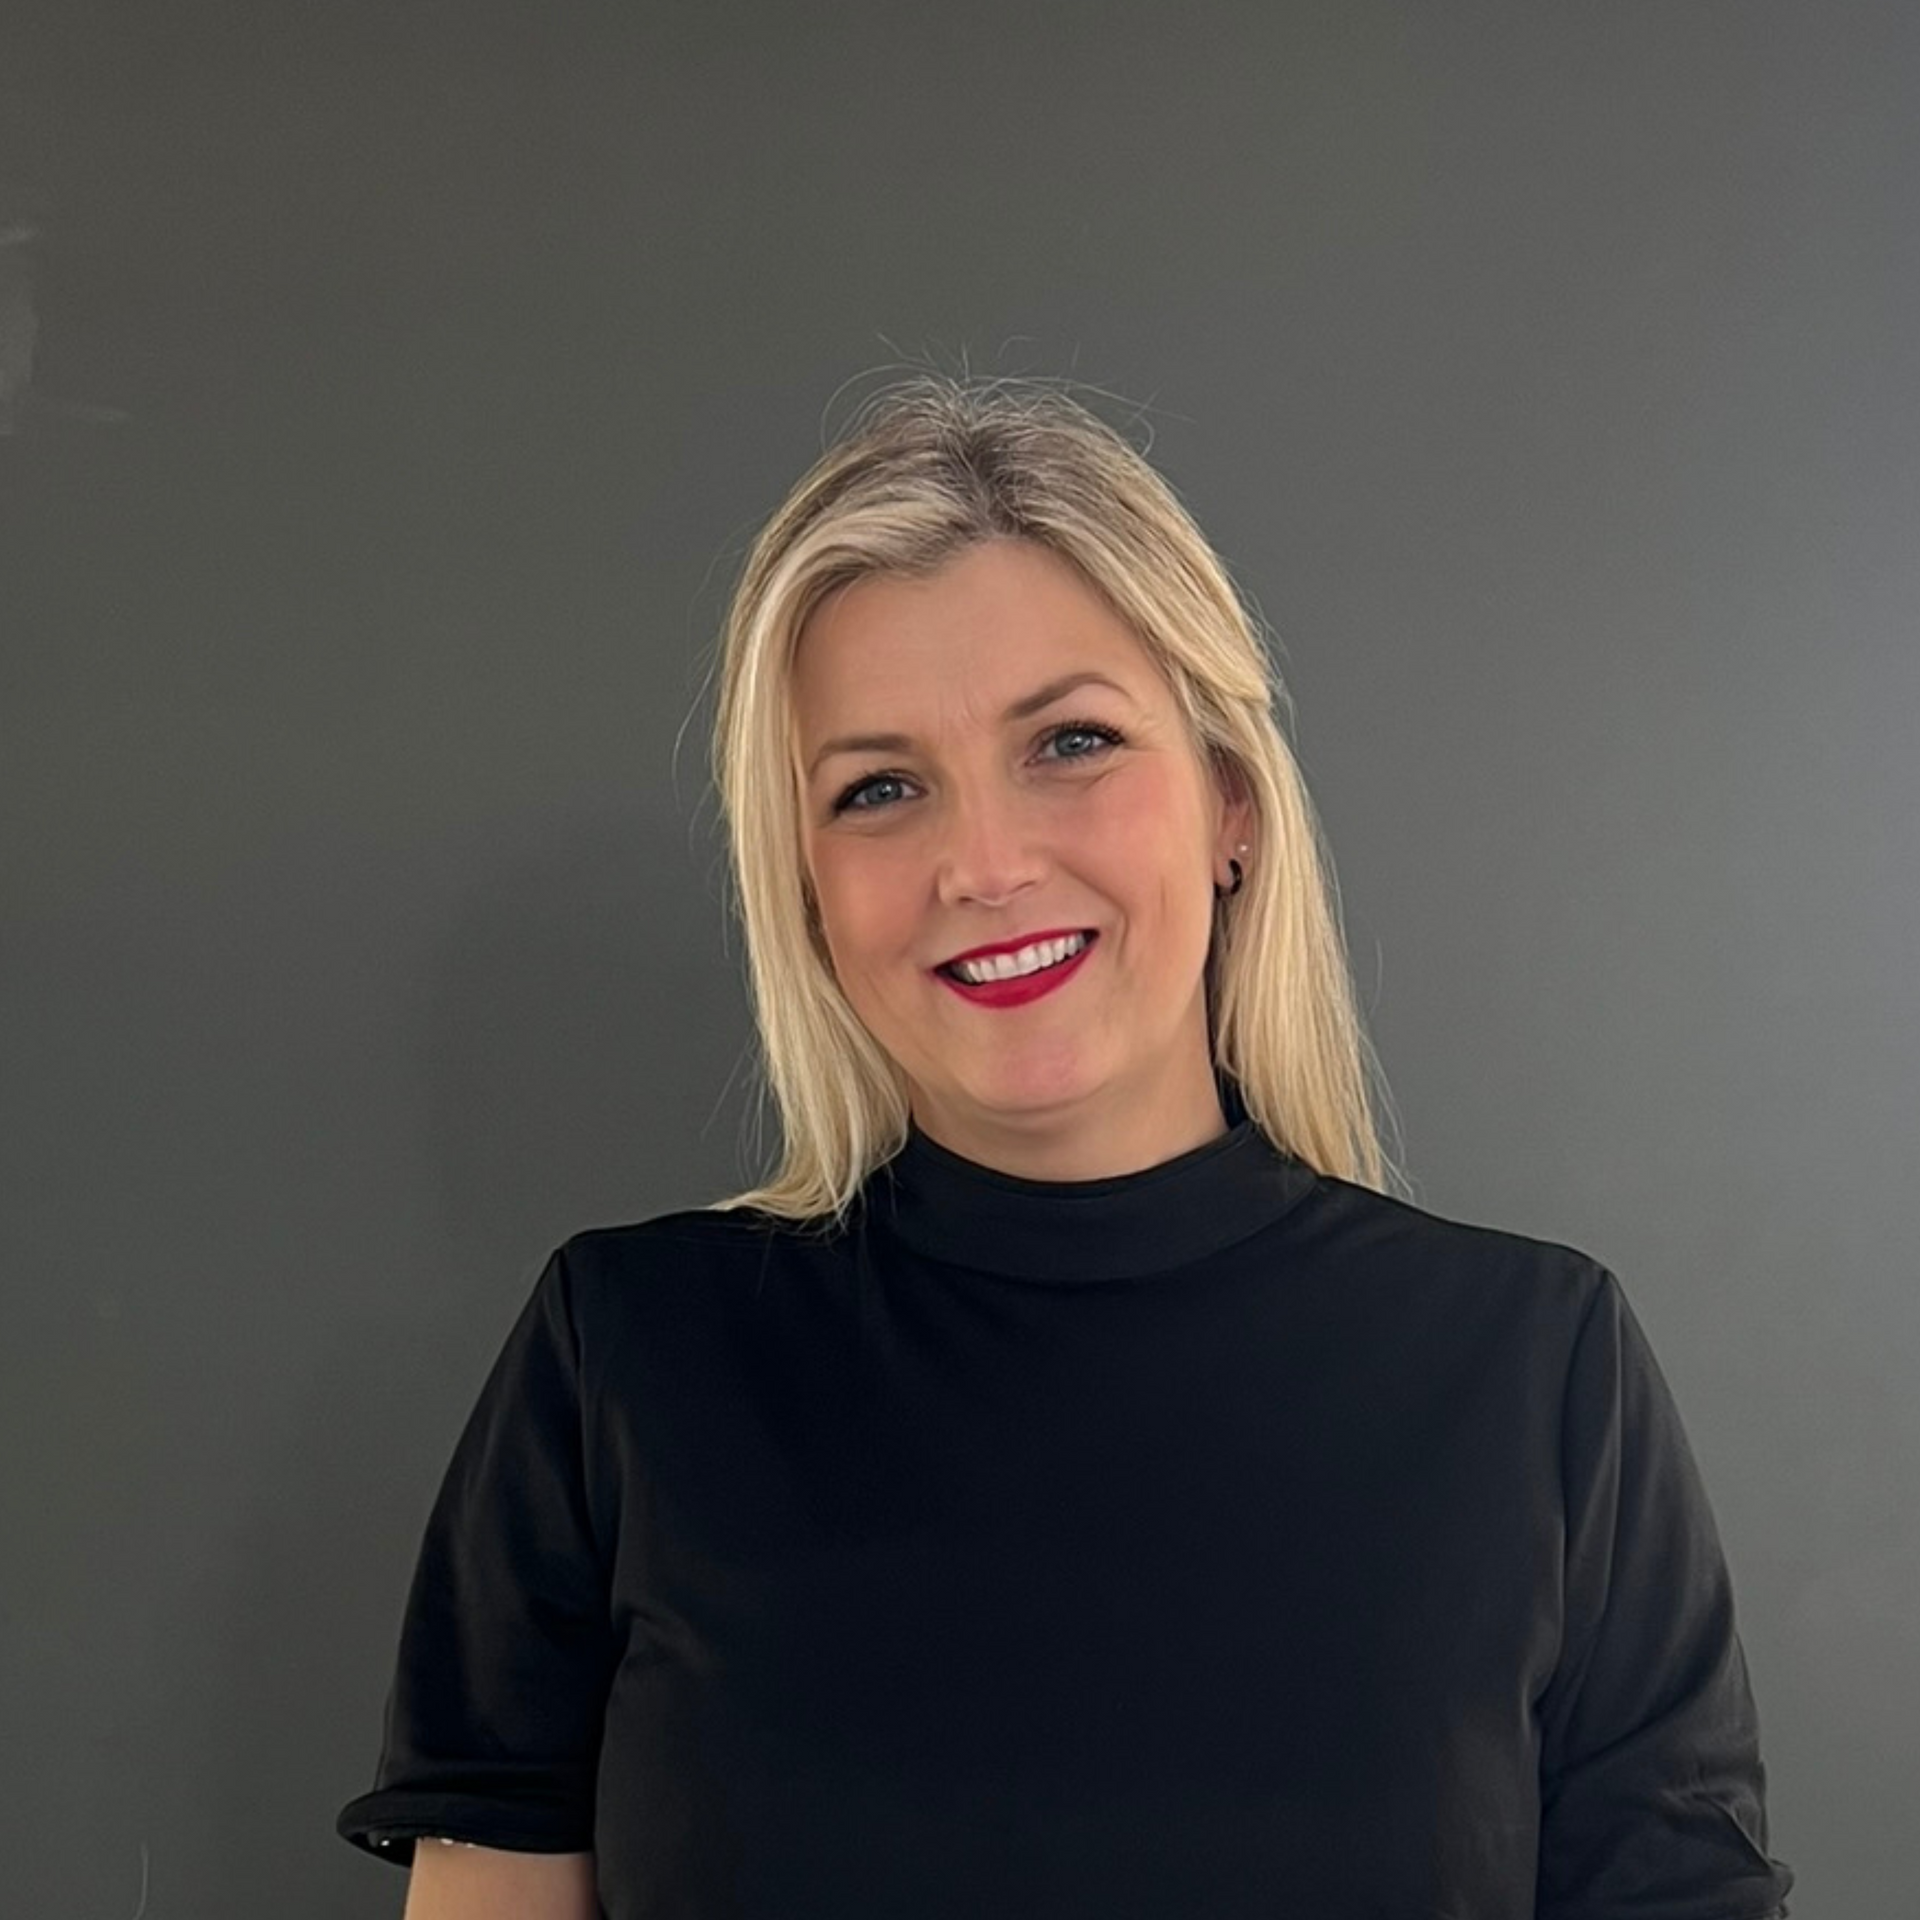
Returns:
point(389, 394)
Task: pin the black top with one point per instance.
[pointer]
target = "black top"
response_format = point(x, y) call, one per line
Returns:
point(1218, 1540)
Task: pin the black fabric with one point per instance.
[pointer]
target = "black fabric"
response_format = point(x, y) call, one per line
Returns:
point(1217, 1540)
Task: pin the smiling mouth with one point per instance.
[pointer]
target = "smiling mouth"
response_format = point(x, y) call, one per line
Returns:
point(998, 969)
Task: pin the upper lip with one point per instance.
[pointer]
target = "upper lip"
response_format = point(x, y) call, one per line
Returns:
point(1014, 946)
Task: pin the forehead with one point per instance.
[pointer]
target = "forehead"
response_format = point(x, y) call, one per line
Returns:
point(991, 624)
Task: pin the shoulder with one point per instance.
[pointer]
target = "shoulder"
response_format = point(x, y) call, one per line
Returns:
point(699, 1233)
point(649, 1305)
point(1378, 1240)
point(706, 1250)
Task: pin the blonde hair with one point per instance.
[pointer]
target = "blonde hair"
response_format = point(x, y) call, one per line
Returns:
point(924, 470)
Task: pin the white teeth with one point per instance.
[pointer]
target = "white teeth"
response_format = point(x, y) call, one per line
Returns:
point(1010, 966)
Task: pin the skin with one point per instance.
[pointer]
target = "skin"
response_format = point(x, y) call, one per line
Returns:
point(986, 828)
point(490, 1883)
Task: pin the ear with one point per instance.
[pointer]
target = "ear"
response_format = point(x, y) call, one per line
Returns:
point(1236, 809)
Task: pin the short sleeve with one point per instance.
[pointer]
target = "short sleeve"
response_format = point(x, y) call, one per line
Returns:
point(506, 1654)
point(1652, 1787)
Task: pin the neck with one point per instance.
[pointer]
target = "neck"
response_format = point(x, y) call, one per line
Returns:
point(1042, 1147)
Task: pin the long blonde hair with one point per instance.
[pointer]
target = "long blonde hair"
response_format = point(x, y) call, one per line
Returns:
point(925, 469)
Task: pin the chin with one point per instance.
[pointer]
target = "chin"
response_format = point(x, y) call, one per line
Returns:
point(1019, 1096)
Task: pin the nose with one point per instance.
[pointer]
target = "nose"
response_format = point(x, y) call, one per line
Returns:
point(989, 850)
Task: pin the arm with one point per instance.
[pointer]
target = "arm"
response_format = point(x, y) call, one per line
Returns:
point(489, 1883)
point(507, 1645)
point(1653, 1788)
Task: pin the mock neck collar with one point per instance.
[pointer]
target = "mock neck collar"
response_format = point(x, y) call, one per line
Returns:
point(1123, 1227)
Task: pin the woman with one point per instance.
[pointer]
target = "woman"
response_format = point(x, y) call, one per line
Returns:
point(1072, 1484)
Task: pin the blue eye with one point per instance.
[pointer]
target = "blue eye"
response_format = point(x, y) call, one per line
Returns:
point(854, 799)
point(1108, 736)
point(847, 801)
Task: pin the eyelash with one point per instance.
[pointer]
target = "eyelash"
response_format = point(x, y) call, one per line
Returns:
point(1112, 736)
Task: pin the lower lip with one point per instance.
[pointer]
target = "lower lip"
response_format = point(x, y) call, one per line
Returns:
point(1016, 993)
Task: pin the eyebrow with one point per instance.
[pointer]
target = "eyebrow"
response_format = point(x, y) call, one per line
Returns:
point(1022, 709)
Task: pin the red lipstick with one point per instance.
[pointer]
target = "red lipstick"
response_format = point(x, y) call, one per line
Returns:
point(1029, 986)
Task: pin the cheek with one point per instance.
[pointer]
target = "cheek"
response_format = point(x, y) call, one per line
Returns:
point(861, 906)
point(1155, 828)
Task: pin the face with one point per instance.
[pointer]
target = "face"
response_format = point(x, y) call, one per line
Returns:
point(957, 793)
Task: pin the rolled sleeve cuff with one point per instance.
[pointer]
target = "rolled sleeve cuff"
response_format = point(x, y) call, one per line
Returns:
point(386, 1824)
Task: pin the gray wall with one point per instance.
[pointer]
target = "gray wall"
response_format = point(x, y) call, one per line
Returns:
point(389, 394)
